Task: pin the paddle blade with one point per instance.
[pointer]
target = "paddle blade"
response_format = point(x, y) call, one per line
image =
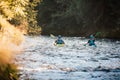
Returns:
point(52, 36)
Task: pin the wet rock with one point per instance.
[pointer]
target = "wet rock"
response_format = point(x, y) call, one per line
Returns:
point(104, 58)
point(115, 70)
point(93, 76)
point(114, 56)
point(86, 69)
point(67, 69)
point(97, 53)
point(94, 60)
point(79, 56)
point(99, 68)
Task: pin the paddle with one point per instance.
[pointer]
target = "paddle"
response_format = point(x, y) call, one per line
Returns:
point(97, 34)
point(52, 36)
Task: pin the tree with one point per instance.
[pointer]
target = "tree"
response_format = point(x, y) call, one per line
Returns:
point(20, 13)
point(33, 27)
point(11, 10)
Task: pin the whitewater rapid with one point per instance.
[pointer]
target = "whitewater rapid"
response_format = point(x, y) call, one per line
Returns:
point(41, 60)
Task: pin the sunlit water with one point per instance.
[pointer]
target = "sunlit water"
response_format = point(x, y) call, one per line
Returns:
point(41, 60)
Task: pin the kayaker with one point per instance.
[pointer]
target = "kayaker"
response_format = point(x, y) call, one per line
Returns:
point(91, 41)
point(59, 40)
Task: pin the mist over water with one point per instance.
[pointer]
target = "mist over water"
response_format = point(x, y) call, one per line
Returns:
point(10, 40)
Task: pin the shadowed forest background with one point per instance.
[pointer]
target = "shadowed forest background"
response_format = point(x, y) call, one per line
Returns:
point(80, 17)
point(65, 17)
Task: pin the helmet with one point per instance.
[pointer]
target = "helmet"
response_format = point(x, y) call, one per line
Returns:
point(91, 36)
point(59, 36)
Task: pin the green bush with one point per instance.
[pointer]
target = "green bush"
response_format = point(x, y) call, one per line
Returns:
point(8, 72)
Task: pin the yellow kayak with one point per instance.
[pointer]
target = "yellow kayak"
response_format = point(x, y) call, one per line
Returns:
point(60, 45)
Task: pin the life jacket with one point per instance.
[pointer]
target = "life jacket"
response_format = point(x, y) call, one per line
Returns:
point(91, 42)
point(59, 41)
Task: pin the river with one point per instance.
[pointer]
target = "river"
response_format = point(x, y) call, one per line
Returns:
point(41, 60)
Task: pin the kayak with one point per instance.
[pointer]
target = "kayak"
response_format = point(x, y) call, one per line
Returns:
point(90, 46)
point(93, 45)
point(60, 45)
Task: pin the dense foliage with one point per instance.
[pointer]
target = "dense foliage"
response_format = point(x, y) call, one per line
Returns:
point(14, 15)
point(33, 27)
point(80, 17)
point(20, 13)
point(8, 72)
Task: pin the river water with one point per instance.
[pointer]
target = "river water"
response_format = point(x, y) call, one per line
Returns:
point(41, 60)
